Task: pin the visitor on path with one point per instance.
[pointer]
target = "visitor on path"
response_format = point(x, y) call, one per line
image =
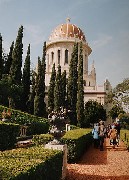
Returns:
point(118, 128)
point(95, 133)
point(102, 131)
point(113, 136)
point(108, 127)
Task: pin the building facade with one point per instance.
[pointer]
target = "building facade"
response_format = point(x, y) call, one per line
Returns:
point(59, 48)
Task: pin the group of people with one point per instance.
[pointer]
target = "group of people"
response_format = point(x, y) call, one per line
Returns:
point(100, 132)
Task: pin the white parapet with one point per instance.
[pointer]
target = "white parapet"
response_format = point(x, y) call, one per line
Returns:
point(64, 149)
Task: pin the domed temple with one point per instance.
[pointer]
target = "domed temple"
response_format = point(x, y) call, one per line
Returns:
point(59, 48)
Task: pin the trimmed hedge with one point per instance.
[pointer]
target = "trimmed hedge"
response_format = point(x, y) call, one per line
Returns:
point(8, 134)
point(36, 125)
point(72, 127)
point(78, 141)
point(42, 139)
point(31, 163)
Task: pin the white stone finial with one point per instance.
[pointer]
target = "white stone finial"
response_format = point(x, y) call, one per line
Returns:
point(68, 20)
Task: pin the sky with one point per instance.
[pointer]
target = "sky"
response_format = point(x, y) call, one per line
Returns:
point(105, 24)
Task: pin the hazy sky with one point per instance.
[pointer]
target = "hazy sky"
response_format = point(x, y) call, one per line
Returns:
point(105, 24)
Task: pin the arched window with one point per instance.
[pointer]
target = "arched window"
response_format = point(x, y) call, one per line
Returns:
point(66, 56)
point(84, 83)
point(52, 56)
point(89, 83)
point(58, 56)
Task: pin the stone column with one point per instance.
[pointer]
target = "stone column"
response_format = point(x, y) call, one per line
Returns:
point(67, 127)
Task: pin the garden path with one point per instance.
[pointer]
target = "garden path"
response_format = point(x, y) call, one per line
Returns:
point(110, 164)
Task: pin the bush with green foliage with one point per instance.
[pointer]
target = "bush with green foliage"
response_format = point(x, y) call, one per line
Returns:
point(42, 139)
point(8, 134)
point(93, 112)
point(37, 128)
point(36, 125)
point(78, 141)
point(31, 163)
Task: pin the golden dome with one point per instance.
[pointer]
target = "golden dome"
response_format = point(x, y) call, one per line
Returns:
point(68, 31)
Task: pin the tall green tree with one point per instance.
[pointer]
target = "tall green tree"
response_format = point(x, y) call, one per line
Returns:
point(30, 103)
point(51, 89)
point(9, 93)
point(115, 111)
point(43, 74)
point(9, 59)
point(58, 90)
point(4, 91)
point(93, 112)
point(26, 80)
point(63, 83)
point(121, 94)
point(15, 74)
point(1, 59)
point(39, 94)
point(72, 84)
point(15, 70)
point(80, 94)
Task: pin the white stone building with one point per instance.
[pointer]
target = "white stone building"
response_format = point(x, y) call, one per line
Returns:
point(59, 48)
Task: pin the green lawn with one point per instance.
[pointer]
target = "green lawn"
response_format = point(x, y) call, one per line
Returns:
point(124, 135)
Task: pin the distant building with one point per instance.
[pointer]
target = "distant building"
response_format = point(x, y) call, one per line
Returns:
point(59, 48)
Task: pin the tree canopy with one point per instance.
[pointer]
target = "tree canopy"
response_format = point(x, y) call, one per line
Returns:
point(93, 112)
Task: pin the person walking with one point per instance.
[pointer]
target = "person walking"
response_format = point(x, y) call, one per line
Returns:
point(118, 128)
point(113, 136)
point(95, 133)
point(102, 131)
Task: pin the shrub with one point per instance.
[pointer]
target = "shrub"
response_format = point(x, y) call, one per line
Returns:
point(31, 163)
point(37, 128)
point(42, 139)
point(78, 141)
point(36, 125)
point(8, 134)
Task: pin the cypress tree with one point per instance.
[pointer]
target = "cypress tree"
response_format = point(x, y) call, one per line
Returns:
point(1, 59)
point(39, 95)
point(58, 90)
point(30, 103)
point(72, 84)
point(26, 80)
point(51, 89)
point(43, 74)
point(9, 59)
point(63, 81)
point(80, 95)
point(15, 70)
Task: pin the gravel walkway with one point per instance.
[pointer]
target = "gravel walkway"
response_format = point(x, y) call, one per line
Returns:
point(110, 164)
